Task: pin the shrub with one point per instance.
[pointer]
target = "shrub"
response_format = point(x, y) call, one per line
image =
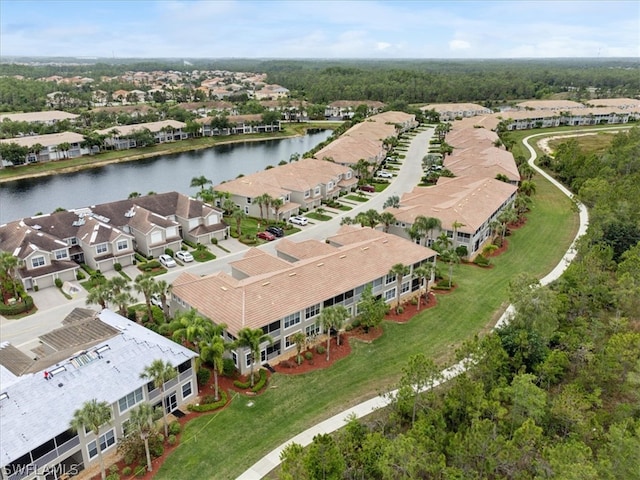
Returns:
point(308, 355)
point(171, 440)
point(168, 251)
point(156, 448)
point(36, 288)
point(214, 241)
point(204, 374)
point(113, 475)
point(141, 470)
point(481, 260)
point(117, 267)
point(414, 301)
point(126, 471)
point(190, 243)
point(175, 428)
point(348, 328)
point(228, 367)
point(320, 349)
point(80, 275)
point(113, 469)
point(262, 381)
point(207, 407)
point(400, 309)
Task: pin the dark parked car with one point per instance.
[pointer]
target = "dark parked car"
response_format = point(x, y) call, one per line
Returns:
point(277, 231)
point(367, 188)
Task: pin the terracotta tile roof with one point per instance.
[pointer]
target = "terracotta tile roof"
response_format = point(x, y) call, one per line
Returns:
point(305, 249)
point(550, 104)
point(153, 127)
point(468, 200)
point(256, 262)
point(48, 140)
point(46, 116)
point(348, 150)
point(261, 299)
point(455, 107)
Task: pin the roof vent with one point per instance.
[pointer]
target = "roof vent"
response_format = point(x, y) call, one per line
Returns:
point(36, 227)
point(265, 284)
point(79, 222)
point(130, 213)
point(292, 274)
point(320, 264)
point(4, 396)
point(343, 255)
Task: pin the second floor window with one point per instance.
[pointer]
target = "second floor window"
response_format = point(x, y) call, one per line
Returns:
point(123, 244)
point(102, 248)
point(37, 262)
point(61, 254)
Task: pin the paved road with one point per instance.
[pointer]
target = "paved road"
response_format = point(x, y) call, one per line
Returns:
point(53, 307)
point(270, 461)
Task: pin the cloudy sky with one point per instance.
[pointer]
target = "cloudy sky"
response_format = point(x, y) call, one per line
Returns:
point(320, 29)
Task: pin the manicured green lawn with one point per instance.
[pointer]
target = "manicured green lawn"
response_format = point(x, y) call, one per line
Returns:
point(224, 444)
point(318, 216)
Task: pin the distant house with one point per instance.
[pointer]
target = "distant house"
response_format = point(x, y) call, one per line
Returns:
point(92, 356)
point(237, 125)
point(51, 146)
point(456, 111)
point(346, 109)
point(120, 137)
point(49, 117)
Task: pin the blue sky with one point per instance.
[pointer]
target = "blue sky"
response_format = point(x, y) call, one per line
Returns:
point(320, 29)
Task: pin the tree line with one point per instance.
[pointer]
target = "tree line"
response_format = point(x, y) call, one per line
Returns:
point(552, 394)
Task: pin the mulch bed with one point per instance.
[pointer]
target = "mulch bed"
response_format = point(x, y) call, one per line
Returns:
point(409, 311)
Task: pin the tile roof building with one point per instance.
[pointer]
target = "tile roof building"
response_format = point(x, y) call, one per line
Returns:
point(285, 294)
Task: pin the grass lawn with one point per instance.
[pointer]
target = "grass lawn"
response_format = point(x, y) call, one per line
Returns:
point(596, 143)
point(224, 444)
point(357, 198)
point(318, 216)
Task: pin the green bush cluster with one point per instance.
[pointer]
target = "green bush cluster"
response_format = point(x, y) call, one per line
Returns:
point(171, 440)
point(308, 355)
point(214, 241)
point(228, 367)
point(320, 349)
point(204, 374)
point(175, 428)
point(207, 407)
point(17, 308)
point(80, 275)
point(139, 258)
point(126, 471)
point(58, 282)
point(117, 267)
point(169, 252)
point(262, 380)
point(190, 243)
point(481, 260)
point(150, 265)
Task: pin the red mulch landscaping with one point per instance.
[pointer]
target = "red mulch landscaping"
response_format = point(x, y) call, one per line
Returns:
point(290, 367)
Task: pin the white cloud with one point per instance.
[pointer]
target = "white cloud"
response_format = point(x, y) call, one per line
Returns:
point(459, 45)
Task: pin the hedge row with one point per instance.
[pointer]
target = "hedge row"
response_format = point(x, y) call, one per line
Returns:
point(259, 384)
point(18, 307)
point(207, 407)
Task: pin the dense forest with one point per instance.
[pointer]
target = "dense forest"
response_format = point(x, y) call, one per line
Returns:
point(554, 394)
point(489, 82)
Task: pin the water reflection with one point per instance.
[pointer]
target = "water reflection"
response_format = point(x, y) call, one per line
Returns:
point(23, 198)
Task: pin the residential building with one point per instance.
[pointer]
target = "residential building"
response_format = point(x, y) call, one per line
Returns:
point(119, 137)
point(92, 356)
point(238, 125)
point(49, 117)
point(457, 111)
point(346, 109)
point(285, 294)
point(49, 146)
point(300, 185)
point(470, 202)
point(557, 105)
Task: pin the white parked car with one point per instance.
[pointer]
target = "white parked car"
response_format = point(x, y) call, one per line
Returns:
point(383, 174)
point(167, 261)
point(299, 220)
point(186, 257)
point(156, 300)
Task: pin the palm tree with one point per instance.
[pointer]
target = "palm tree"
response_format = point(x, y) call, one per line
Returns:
point(299, 339)
point(194, 329)
point(450, 257)
point(333, 317)
point(213, 348)
point(370, 218)
point(64, 147)
point(101, 295)
point(527, 187)
point(123, 299)
point(425, 272)
point(277, 204)
point(164, 289)
point(239, 216)
point(252, 339)
point(8, 265)
point(506, 216)
point(200, 181)
point(456, 225)
point(160, 372)
point(362, 169)
point(392, 201)
point(141, 423)
point(387, 219)
point(146, 285)
point(346, 220)
point(400, 271)
point(91, 416)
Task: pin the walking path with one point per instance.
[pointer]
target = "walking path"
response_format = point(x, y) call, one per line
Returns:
point(270, 461)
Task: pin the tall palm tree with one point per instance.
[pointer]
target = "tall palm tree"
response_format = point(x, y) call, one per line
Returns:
point(146, 285)
point(400, 271)
point(527, 187)
point(91, 416)
point(299, 339)
point(277, 204)
point(194, 328)
point(200, 181)
point(123, 299)
point(425, 272)
point(8, 265)
point(252, 338)
point(141, 423)
point(164, 290)
point(333, 317)
point(370, 218)
point(387, 219)
point(238, 215)
point(213, 348)
point(392, 201)
point(101, 295)
point(160, 372)
point(456, 225)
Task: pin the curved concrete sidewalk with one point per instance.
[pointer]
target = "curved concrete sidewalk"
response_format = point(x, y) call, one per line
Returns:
point(270, 461)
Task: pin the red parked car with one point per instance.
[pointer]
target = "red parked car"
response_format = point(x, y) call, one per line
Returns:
point(266, 236)
point(367, 188)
